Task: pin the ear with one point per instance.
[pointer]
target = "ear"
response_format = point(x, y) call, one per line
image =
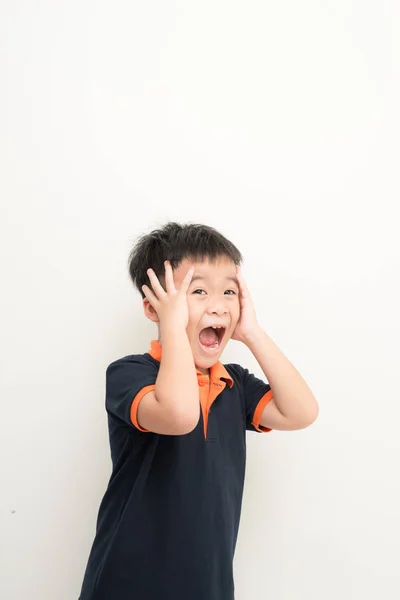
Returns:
point(150, 311)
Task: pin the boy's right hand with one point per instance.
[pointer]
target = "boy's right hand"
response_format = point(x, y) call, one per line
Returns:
point(170, 305)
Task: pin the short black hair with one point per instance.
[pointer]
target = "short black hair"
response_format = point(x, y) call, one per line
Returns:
point(175, 242)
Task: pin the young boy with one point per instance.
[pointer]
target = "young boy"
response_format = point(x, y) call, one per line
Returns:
point(168, 522)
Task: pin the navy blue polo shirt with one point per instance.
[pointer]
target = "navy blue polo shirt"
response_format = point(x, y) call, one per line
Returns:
point(168, 522)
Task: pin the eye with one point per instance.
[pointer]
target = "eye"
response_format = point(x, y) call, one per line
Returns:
point(200, 290)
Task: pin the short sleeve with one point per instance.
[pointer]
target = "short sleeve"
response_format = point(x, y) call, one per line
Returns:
point(127, 381)
point(257, 394)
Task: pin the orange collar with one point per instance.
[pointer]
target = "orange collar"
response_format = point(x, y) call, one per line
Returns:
point(217, 371)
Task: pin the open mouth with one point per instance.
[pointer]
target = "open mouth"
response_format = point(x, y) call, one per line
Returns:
point(210, 339)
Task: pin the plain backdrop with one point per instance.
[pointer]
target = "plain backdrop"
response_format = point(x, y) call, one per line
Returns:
point(278, 124)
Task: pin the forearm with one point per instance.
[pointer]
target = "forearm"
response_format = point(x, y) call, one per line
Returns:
point(176, 385)
point(292, 395)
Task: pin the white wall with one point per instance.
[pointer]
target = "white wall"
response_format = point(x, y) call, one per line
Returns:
point(277, 123)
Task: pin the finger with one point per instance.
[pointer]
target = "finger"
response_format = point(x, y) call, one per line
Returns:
point(239, 276)
point(155, 284)
point(169, 277)
point(243, 287)
point(186, 281)
point(150, 296)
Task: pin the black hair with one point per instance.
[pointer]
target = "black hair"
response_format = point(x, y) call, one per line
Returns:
point(175, 242)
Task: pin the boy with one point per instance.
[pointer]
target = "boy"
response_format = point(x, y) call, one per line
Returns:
point(168, 522)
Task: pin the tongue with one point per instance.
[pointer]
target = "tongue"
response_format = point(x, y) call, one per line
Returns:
point(208, 336)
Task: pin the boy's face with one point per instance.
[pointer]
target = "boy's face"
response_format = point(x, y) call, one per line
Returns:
point(213, 299)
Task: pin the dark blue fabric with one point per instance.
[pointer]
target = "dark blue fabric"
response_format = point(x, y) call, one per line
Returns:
point(168, 523)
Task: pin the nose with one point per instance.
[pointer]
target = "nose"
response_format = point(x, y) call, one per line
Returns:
point(217, 308)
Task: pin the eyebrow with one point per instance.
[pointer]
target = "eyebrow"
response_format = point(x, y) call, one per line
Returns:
point(196, 277)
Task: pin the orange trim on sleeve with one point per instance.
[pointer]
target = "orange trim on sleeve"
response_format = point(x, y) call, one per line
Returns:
point(135, 405)
point(259, 411)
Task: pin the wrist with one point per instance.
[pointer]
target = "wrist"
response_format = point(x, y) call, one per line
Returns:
point(254, 336)
point(173, 333)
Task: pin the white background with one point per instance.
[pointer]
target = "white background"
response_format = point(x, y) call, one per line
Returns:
point(278, 124)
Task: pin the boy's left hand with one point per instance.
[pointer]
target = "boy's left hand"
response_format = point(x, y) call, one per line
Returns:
point(247, 324)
